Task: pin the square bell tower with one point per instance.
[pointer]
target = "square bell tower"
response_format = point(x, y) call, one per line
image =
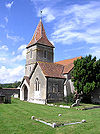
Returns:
point(38, 49)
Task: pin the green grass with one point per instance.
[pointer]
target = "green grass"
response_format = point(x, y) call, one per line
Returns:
point(15, 118)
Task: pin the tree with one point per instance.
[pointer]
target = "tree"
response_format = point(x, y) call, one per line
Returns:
point(0, 86)
point(86, 74)
point(11, 85)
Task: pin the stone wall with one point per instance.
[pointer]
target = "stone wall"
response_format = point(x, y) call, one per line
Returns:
point(95, 96)
point(10, 91)
point(40, 53)
point(68, 85)
point(40, 95)
point(37, 55)
point(55, 89)
point(30, 61)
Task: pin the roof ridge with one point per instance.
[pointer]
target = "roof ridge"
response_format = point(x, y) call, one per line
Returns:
point(49, 63)
point(69, 59)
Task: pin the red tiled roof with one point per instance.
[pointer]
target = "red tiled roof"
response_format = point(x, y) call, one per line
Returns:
point(40, 36)
point(52, 69)
point(68, 64)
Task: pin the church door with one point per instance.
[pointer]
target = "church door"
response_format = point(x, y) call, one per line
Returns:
point(25, 93)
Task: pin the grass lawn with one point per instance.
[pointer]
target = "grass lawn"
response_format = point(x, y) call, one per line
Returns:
point(15, 118)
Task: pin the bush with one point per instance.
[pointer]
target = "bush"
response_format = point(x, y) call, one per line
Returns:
point(0, 87)
point(70, 98)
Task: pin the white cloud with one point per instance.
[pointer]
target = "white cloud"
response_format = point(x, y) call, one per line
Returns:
point(13, 53)
point(2, 26)
point(48, 14)
point(8, 75)
point(2, 59)
point(52, 42)
point(20, 57)
point(95, 51)
point(74, 49)
point(22, 54)
point(22, 47)
point(78, 23)
point(6, 19)
point(9, 5)
point(15, 38)
point(4, 47)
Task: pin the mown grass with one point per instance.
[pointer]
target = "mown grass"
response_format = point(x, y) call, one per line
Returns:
point(15, 118)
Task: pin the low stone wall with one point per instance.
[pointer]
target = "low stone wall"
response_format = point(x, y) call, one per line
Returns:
point(10, 91)
point(95, 96)
point(7, 93)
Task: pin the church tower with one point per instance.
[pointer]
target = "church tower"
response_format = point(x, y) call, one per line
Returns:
point(38, 49)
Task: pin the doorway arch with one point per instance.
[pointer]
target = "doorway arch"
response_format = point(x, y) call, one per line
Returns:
point(25, 93)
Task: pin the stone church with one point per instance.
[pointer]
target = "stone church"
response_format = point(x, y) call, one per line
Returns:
point(45, 80)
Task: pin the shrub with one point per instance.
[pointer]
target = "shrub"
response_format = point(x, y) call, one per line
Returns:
point(70, 98)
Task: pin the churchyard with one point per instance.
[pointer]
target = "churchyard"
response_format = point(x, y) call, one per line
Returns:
point(15, 118)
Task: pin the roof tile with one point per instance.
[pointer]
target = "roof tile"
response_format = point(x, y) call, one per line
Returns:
point(40, 36)
point(68, 64)
point(52, 69)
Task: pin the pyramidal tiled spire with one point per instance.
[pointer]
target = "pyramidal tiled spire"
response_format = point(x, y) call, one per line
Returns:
point(40, 36)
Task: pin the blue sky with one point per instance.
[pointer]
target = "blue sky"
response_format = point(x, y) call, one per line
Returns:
point(72, 25)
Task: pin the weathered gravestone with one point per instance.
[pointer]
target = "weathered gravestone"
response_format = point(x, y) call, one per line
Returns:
point(2, 98)
point(77, 103)
point(7, 98)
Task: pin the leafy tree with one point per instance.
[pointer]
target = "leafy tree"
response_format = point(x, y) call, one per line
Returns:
point(86, 74)
point(11, 85)
point(0, 86)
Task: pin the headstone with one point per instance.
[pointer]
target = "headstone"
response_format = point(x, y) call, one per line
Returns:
point(54, 125)
point(83, 121)
point(78, 102)
point(33, 117)
point(2, 98)
point(73, 105)
point(7, 98)
point(59, 114)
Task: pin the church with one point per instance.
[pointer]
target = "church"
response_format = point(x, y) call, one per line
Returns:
point(45, 80)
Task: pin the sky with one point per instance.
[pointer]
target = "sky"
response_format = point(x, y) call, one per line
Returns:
point(73, 26)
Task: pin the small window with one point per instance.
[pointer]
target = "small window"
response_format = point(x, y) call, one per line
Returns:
point(37, 84)
point(45, 54)
point(30, 53)
point(30, 69)
point(55, 88)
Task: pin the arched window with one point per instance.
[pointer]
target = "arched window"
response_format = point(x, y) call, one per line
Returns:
point(30, 53)
point(37, 84)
